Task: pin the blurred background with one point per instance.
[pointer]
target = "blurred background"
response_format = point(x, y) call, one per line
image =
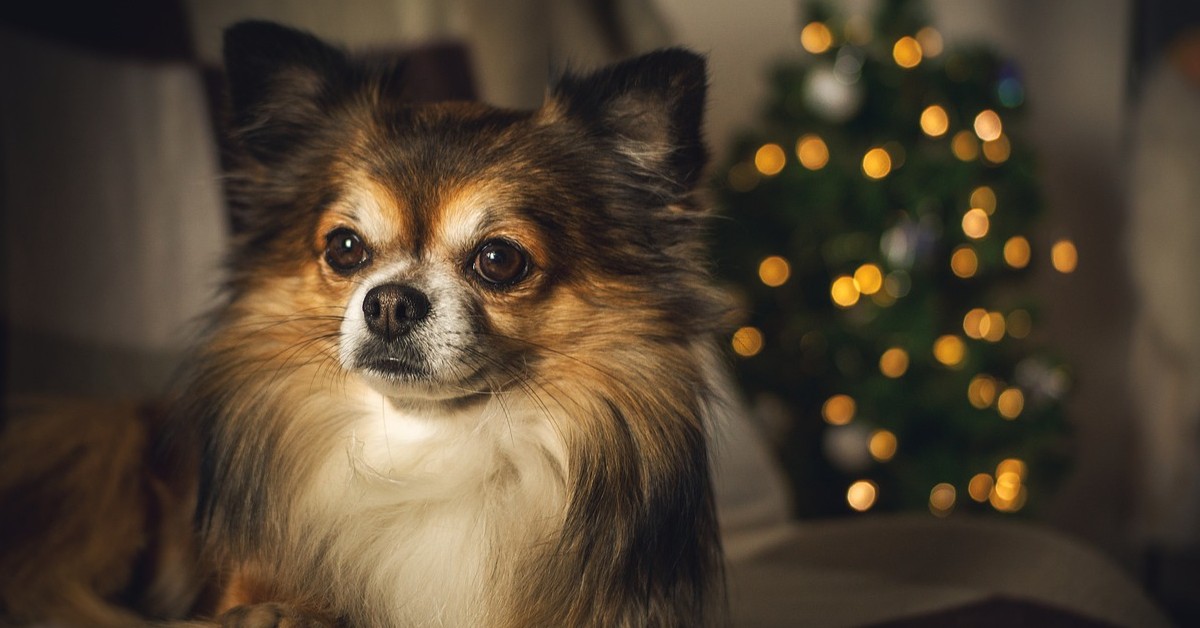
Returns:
point(962, 235)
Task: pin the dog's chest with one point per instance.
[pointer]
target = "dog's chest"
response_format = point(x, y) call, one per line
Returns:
point(427, 522)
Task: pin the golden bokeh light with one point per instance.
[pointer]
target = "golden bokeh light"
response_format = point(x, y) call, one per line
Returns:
point(975, 223)
point(868, 278)
point(950, 350)
point(987, 125)
point(1012, 465)
point(981, 392)
point(964, 146)
point(980, 487)
point(964, 262)
point(838, 410)
point(934, 121)
point(998, 150)
point(1008, 505)
point(984, 198)
point(774, 271)
point(1010, 403)
point(971, 322)
point(931, 41)
point(991, 327)
point(1019, 323)
point(747, 341)
point(1064, 256)
point(1017, 252)
point(816, 37)
point(877, 163)
point(1008, 494)
point(844, 291)
point(770, 159)
point(907, 52)
point(882, 445)
point(894, 362)
point(1008, 485)
point(743, 177)
point(812, 152)
point(861, 495)
point(942, 498)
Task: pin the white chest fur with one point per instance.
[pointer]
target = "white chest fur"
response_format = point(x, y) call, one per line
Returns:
point(426, 519)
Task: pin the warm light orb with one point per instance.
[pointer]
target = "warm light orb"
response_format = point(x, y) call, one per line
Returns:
point(950, 350)
point(934, 121)
point(816, 37)
point(964, 146)
point(838, 410)
point(998, 150)
point(882, 445)
point(861, 495)
point(963, 262)
point(812, 152)
point(987, 125)
point(980, 487)
point(1010, 403)
point(991, 328)
point(747, 341)
point(931, 41)
point(1017, 252)
point(844, 291)
point(868, 278)
point(907, 52)
point(1012, 465)
point(975, 223)
point(981, 392)
point(876, 164)
point(1008, 485)
point(770, 159)
point(941, 499)
point(1019, 323)
point(1008, 505)
point(774, 271)
point(971, 322)
point(894, 362)
point(1064, 257)
point(984, 198)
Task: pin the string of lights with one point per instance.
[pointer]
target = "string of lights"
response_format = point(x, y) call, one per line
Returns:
point(880, 262)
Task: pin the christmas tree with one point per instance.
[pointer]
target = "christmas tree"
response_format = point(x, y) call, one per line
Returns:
point(877, 231)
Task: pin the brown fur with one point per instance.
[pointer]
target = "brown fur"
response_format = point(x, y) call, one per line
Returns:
point(592, 398)
point(88, 524)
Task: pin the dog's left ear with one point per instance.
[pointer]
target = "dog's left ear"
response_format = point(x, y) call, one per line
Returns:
point(651, 110)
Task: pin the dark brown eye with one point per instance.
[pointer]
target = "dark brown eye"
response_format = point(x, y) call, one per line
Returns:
point(501, 263)
point(345, 250)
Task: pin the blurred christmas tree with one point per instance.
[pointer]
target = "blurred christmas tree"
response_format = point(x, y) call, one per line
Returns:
point(879, 239)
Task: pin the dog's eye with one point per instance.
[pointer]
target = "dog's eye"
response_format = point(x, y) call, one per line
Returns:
point(345, 250)
point(500, 262)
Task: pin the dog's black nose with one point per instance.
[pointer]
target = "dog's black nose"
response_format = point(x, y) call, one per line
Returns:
point(392, 309)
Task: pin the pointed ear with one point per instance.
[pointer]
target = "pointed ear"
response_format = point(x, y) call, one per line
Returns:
point(277, 77)
point(651, 109)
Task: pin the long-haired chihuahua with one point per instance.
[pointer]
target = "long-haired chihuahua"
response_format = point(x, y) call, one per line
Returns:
point(463, 373)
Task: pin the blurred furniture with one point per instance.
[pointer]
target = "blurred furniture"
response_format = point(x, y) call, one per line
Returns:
point(919, 571)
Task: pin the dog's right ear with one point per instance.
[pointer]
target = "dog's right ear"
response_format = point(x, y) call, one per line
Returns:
point(278, 80)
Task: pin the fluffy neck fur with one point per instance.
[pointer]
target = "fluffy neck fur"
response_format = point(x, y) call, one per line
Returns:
point(578, 498)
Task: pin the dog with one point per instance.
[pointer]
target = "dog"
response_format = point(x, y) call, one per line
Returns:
point(464, 369)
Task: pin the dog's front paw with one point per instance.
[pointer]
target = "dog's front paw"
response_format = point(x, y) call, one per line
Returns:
point(271, 615)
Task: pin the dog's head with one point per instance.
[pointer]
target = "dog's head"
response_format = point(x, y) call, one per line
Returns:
point(446, 250)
